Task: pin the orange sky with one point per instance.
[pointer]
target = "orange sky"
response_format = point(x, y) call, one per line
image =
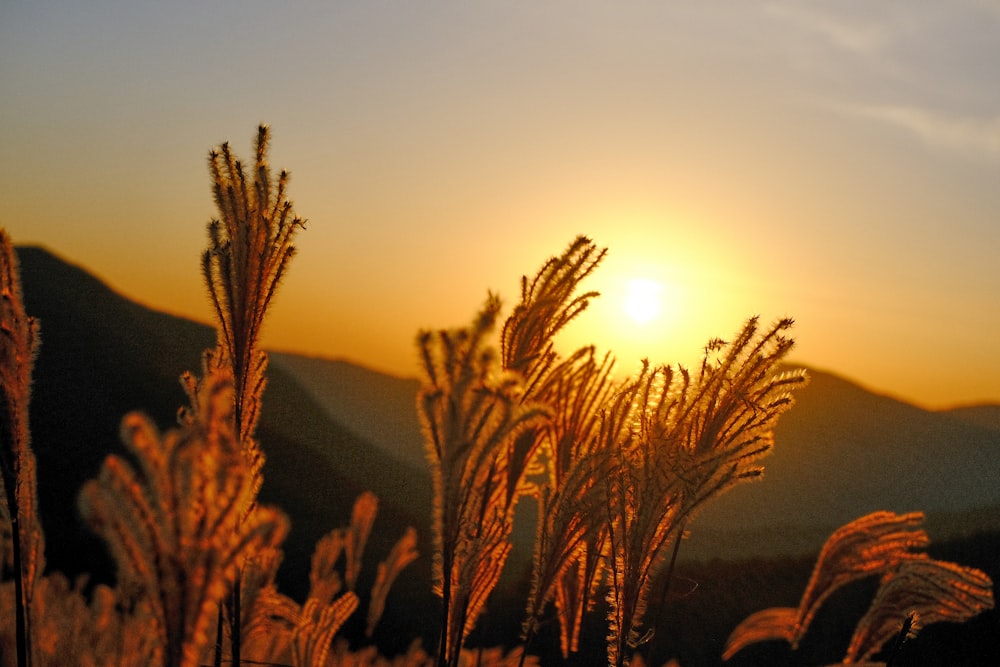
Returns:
point(837, 163)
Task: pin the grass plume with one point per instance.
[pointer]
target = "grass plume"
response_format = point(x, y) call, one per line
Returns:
point(175, 524)
point(250, 247)
point(18, 346)
point(470, 412)
point(914, 590)
point(681, 439)
point(571, 528)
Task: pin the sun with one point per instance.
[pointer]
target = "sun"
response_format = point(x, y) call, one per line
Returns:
point(636, 318)
point(643, 300)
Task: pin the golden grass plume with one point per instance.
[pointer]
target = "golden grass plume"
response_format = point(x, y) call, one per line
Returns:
point(914, 590)
point(18, 346)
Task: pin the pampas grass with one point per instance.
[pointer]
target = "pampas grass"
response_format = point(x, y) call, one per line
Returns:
point(18, 345)
point(914, 590)
point(619, 470)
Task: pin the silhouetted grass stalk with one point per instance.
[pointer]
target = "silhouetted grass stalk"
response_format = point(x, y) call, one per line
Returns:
point(571, 389)
point(18, 345)
point(470, 411)
point(569, 501)
point(171, 522)
point(482, 421)
point(250, 246)
point(691, 437)
point(665, 590)
point(914, 589)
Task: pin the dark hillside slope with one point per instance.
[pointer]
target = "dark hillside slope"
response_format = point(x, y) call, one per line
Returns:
point(987, 416)
point(103, 355)
point(380, 408)
point(316, 468)
point(842, 452)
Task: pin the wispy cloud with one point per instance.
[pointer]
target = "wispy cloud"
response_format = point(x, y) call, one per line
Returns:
point(931, 48)
point(965, 135)
point(856, 35)
point(926, 70)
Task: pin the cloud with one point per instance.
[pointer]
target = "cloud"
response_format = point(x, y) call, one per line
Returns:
point(856, 35)
point(969, 136)
point(927, 70)
point(927, 48)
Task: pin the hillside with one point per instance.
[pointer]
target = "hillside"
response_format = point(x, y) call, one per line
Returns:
point(103, 355)
point(332, 428)
point(841, 452)
point(378, 407)
point(987, 416)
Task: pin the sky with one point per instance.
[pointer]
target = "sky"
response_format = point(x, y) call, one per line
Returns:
point(837, 162)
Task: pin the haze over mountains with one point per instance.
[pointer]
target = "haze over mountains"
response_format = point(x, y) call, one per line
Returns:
point(331, 429)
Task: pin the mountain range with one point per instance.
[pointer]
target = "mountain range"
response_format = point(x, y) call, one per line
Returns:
point(331, 429)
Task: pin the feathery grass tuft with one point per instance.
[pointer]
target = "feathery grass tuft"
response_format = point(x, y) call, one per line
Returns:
point(471, 410)
point(914, 590)
point(680, 440)
point(920, 591)
point(571, 526)
point(250, 246)
point(549, 302)
point(483, 420)
point(18, 346)
point(277, 630)
point(403, 553)
point(174, 525)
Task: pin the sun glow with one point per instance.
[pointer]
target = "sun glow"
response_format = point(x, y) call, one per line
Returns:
point(660, 306)
point(635, 318)
point(643, 300)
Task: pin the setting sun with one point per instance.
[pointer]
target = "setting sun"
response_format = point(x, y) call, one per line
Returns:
point(643, 300)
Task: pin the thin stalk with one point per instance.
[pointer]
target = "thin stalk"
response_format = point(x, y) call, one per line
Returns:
point(524, 649)
point(443, 648)
point(901, 638)
point(234, 621)
point(21, 613)
point(219, 638)
point(666, 586)
point(18, 344)
point(532, 634)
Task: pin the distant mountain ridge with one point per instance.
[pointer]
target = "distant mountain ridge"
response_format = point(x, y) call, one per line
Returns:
point(102, 356)
point(332, 428)
point(841, 452)
point(986, 415)
point(380, 408)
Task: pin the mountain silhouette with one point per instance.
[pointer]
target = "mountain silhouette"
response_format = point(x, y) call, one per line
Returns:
point(378, 407)
point(987, 416)
point(103, 355)
point(841, 452)
point(331, 429)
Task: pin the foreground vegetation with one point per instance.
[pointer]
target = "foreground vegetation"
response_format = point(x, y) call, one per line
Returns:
point(617, 468)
